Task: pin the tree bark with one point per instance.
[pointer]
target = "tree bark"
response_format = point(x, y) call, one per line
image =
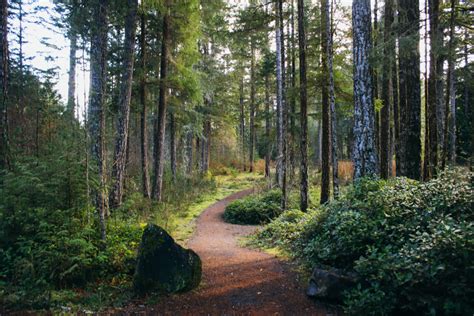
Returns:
point(364, 153)
point(389, 48)
point(252, 108)
point(332, 106)
point(303, 109)
point(292, 116)
point(326, 117)
point(426, 153)
point(96, 114)
point(4, 80)
point(268, 151)
point(160, 122)
point(143, 118)
point(71, 89)
point(118, 170)
point(172, 145)
point(433, 87)
point(411, 105)
point(242, 120)
point(449, 146)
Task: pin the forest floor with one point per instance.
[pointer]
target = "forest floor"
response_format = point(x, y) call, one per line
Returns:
point(236, 280)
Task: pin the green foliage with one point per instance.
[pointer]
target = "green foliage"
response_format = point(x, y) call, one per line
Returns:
point(411, 243)
point(254, 210)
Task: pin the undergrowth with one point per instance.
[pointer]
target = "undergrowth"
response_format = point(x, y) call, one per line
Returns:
point(411, 243)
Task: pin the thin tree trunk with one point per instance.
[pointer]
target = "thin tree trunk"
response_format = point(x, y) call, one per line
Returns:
point(433, 88)
point(389, 48)
point(303, 109)
point(118, 168)
point(143, 118)
point(364, 154)
point(284, 112)
point(326, 117)
point(172, 145)
point(267, 128)
point(293, 130)
point(332, 107)
point(375, 81)
point(71, 91)
point(189, 153)
point(4, 139)
point(96, 113)
point(160, 122)
point(242, 120)
point(449, 133)
point(426, 154)
point(252, 108)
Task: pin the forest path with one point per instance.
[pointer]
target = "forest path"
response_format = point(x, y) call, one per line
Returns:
point(236, 280)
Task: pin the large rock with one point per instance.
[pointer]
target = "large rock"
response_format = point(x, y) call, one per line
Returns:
point(330, 285)
point(163, 265)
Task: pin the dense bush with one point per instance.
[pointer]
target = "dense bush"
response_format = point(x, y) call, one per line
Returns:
point(255, 209)
point(411, 243)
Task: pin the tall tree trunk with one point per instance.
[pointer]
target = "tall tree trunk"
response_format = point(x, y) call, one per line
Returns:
point(411, 105)
point(389, 48)
point(252, 108)
point(143, 118)
point(172, 145)
point(426, 153)
point(160, 122)
point(96, 114)
point(433, 87)
point(303, 109)
point(326, 128)
point(293, 131)
point(118, 169)
point(281, 101)
point(71, 89)
point(268, 151)
point(375, 74)
point(449, 145)
point(242, 120)
point(332, 106)
point(4, 139)
point(364, 153)
point(397, 91)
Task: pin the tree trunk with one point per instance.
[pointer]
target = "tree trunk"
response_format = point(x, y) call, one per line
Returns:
point(4, 139)
point(411, 106)
point(118, 170)
point(96, 115)
point(268, 151)
point(364, 153)
point(303, 109)
point(326, 128)
point(426, 153)
point(433, 87)
point(71, 89)
point(332, 106)
point(252, 109)
point(449, 145)
point(143, 118)
point(375, 81)
point(189, 153)
point(172, 145)
point(293, 131)
point(160, 122)
point(389, 48)
point(242, 120)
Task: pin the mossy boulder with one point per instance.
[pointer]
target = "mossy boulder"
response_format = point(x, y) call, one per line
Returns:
point(163, 265)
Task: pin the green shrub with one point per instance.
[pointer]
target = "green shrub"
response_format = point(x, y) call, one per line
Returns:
point(255, 209)
point(411, 243)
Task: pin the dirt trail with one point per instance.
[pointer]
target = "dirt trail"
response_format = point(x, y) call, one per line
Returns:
point(236, 280)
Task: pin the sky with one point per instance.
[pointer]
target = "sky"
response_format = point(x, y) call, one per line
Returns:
point(38, 52)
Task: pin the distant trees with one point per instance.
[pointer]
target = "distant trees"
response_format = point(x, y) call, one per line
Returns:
point(4, 139)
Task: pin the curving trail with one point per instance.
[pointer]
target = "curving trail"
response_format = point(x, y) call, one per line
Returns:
point(236, 280)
